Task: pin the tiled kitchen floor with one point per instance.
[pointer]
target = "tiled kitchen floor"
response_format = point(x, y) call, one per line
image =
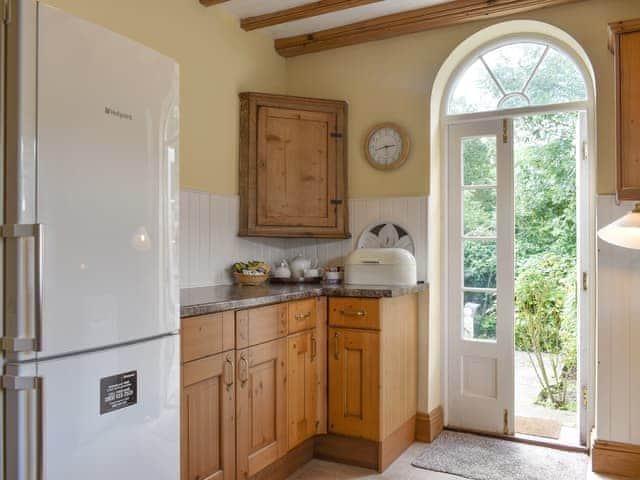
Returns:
point(401, 469)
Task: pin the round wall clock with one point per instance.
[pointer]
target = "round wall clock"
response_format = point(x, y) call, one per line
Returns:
point(387, 146)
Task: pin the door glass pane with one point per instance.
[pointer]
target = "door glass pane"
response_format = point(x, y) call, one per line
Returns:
point(479, 316)
point(479, 160)
point(480, 264)
point(479, 206)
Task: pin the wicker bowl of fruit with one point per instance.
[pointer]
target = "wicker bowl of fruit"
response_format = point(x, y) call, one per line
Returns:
point(251, 273)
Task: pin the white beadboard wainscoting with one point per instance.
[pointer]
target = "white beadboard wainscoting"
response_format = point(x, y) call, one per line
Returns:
point(618, 337)
point(209, 243)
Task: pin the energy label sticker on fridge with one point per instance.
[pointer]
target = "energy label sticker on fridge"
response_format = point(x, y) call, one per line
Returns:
point(118, 391)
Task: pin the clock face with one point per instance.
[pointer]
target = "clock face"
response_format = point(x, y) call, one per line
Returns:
point(386, 147)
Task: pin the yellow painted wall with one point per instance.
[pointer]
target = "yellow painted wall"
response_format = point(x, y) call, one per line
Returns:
point(217, 60)
point(392, 80)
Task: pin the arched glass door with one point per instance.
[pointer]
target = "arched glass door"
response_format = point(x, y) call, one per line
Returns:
point(516, 146)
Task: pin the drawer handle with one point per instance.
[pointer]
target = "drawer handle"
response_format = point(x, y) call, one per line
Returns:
point(244, 370)
point(302, 316)
point(353, 313)
point(228, 373)
point(314, 347)
point(336, 346)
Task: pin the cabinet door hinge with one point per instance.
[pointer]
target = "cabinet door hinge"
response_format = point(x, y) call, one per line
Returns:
point(336, 201)
point(335, 135)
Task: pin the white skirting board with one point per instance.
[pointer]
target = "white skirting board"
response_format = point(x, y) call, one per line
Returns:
point(618, 336)
point(209, 243)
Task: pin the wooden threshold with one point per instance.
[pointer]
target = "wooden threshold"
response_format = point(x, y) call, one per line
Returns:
point(209, 3)
point(522, 439)
point(298, 13)
point(403, 23)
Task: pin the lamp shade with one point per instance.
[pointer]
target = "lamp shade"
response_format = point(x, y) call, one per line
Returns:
point(624, 232)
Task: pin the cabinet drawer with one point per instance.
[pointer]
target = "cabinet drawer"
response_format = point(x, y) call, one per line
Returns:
point(259, 325)
point(355, 313)
point(207, 335)
point(302, 315)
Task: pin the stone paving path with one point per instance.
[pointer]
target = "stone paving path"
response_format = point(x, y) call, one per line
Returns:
point(527, 389)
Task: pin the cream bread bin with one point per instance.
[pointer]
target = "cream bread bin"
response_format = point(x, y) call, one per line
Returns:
point(380, 266)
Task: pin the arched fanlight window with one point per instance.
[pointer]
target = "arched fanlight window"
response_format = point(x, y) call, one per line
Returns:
point(517, 75)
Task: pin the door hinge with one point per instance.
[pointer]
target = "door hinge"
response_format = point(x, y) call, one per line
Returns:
point(12, 382)
point(585, 281)
point(505, 426)
point(585, 150)
point(335, 135)
point(585, 396)
point(6, 11)
point(505, 131)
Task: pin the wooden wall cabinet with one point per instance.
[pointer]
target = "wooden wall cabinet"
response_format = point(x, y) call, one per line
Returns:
point(293, 167)
point(624, 42)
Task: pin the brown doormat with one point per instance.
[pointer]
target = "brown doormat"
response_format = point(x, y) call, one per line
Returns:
point(538, 427)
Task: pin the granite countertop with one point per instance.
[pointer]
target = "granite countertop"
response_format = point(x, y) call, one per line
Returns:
point(203, 300)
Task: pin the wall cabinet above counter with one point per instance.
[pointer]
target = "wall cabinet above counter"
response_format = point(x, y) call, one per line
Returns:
point(293, 167)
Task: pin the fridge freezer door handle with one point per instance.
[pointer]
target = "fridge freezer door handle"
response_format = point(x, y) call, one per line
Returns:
point(37, 232)
point(16, 384)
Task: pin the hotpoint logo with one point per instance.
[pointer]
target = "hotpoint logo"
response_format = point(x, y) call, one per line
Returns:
point(117, 113)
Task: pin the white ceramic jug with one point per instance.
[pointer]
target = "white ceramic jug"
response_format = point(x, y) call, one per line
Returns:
point(299, 264)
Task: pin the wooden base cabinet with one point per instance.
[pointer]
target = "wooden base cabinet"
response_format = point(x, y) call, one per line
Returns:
point(208, 418)
point(354, 383)
point(373, 359)
point(261, 397)
point(301, 387)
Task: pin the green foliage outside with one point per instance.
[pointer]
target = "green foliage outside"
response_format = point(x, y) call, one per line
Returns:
point(545, 215)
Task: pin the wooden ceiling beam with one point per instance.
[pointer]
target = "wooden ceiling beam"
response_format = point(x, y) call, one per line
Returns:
point(208, 3)
point(298, 13)
point(403, 23)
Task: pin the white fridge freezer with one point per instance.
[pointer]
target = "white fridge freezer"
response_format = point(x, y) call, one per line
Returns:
point(79, 439)
point(90, 314)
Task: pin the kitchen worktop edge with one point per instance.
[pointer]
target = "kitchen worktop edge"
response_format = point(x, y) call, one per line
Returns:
point(204, 300)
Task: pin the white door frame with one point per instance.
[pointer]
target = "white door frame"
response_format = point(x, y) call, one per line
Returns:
point(481, 376)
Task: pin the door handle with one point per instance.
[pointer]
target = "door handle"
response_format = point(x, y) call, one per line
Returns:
point(314, 347)
point(336, 346)
point(228, 372)
point(36, 231)
point(243, 373)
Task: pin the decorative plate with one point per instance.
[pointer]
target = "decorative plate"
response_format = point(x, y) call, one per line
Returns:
point(386, 235)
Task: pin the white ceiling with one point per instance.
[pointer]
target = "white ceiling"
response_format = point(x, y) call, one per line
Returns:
point(250, 8)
